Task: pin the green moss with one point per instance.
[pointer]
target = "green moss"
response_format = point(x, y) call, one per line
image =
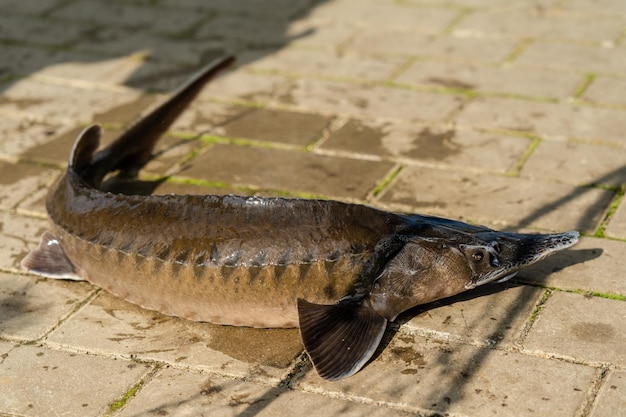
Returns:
point(617, 199)
point(386, 181)
point(534, 144)
point(118, 404)
point(584, 85)
point(608, 295)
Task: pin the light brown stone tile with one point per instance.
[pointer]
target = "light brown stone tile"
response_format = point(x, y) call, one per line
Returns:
point(31, 306)
point(375, 101)
point(437, 146)
point(17, 135)
point(18, 181)
point(499, 202)
point(380, 14)
point(276, 126)
point(581, 327)
point(592, 265)
point(18, 236)
point(491, 315)
point(490, 79)
point(435, 377)
point(62, 104)
point(46, 31)
point(611, 400)
point(539, 23)
point(546, 119)
point(574, 57)
point(175, 392)
point(136, 17)
point(406, 42)
point(607, 90)
point(111, 326)
point(245, 86)
point(328, 64)
point(617, 225)
point(41, 382)
point(577, 163)
point(306, 172)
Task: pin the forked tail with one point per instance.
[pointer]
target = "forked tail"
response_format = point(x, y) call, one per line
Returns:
point(134, 147)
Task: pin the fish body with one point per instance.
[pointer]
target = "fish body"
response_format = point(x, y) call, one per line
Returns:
point(340, 272)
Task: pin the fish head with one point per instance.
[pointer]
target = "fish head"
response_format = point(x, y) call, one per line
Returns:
point(429, 268)
point(498, 256)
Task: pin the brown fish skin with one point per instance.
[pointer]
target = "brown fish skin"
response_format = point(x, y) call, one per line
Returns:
point(338, 271)
point(222, 259)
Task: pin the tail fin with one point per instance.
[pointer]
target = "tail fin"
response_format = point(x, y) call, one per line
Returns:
point(134, 147)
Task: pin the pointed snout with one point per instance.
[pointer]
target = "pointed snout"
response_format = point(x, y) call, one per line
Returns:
point(515, 251)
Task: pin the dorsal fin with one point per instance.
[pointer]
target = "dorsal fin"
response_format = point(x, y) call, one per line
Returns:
point(86, 144)
point(340, 338)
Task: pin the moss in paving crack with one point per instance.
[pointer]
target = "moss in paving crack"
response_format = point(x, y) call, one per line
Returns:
point(118, 404)
point(607, 295)
point(386, 181)
point(584, 85)
point(617, 199)
point(534, 144)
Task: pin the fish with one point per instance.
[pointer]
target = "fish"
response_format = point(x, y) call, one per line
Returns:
point(340, 272)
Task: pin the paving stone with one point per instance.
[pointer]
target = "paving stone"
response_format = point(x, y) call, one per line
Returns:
point(601, 7)
point(28, 7)
point(57, 150)
point(328, 64)
point(18, 135)
point(539, 23)
point(374, 101)
point(309, 173)
point(41, 382)
point(24, 60)
point(175, 392)
point(116, 41)
point(18, 181)
point(246, 30)
point(63, 104)
point(328, 35)
point(500, 202)
point(438, 146)
point(554, 120)
point(592, 265)
point(433, 377)
point(45, 31)
point(135, 17)
point(573, 57)
point(617, 225)
point(110, 326)
point(30, 307)
point(612, 396)
point(203, 116)
point(168, 187)
point(577, 163)
point(491, 315)
point(421, 45)
point(382, 14)
point(239, 85)
point(277, 126)
point(606, 90)
point(581, 327)
point(504, 80)
point(18, 236)
point(279, 9)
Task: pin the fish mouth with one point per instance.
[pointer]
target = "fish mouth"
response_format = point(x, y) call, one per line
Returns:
point(517, 251)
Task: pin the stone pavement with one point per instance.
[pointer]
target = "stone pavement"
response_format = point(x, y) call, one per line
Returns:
point(509, 113)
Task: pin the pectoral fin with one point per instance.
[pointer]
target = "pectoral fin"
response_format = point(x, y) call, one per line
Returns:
point(339, 338)
point(49, 260)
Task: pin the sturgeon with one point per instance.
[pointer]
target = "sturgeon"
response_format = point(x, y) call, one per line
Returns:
point(340, 272)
